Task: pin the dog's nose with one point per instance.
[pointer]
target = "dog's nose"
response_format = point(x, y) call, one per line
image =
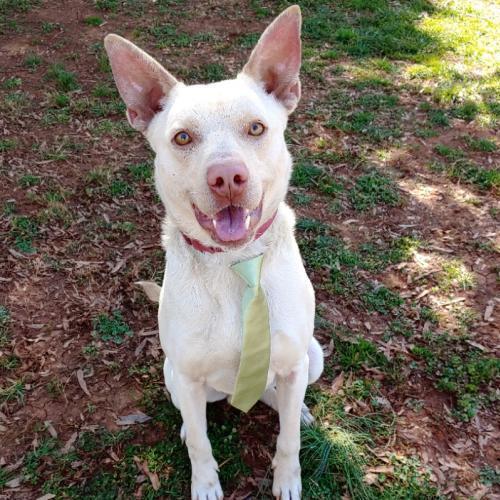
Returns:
point(228, 181)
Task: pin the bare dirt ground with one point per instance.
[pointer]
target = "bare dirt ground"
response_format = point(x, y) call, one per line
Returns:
point(80, 223)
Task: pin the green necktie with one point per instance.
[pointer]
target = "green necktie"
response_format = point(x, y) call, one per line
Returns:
point(256, 346)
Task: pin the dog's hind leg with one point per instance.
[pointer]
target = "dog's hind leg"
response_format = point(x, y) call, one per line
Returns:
point(270, 399)
point(315, 354)
point(316, 361)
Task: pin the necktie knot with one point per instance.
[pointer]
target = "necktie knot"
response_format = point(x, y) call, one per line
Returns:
point(249, 270)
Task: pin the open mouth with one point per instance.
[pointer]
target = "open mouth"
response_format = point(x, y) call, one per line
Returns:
point(231, 224)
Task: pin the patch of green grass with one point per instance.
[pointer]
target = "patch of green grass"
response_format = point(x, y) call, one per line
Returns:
point(381, 299)
point(301, 199)
point(114, 128)
point(8, 361)
point(93, 21)
point(308, 175)
point(460, 369)
point(7, 145)
point(480, 144)
point(455, 275)
point(32, 61)
point(448, 152)
point(248, 40)
point(29, 180)
point(12, 83)
point(13, 391)
point(119, 188)
point(332, 462)
point(4, 326)
point(24, 229)
point(65, 80)
point(54, 387)
point(48, 27)
point(489, 476)
point(373, 189)
point(410, 481)
point(376, 101)
point(439, 117)
point(466, 111)
point(10, 6)
point(111, 328)
point(207, 73)
point(167, 35)
point(377, 257)
point(104, 90)
point(141, 171)
point(107, 5)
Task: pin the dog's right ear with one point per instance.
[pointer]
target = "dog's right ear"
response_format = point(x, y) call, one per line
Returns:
point(142, 82)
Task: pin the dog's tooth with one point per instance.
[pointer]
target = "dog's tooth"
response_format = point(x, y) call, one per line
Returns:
point(247, 221)
point(214, 222)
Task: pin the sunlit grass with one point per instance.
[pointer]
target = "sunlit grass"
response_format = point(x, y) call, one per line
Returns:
point(466, 75)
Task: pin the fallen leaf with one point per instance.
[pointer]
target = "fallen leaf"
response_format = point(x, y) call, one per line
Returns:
point(14, 483)
point(68, 446)
point(48, 496)
point(81, 381)
point(50, 428)
point(489, 310)
point(382, 469)
point(338, 383)
point(153, 476)
point(134, 418)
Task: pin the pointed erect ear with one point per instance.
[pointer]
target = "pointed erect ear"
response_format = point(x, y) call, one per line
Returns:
point(141, 81)
point(275, 61)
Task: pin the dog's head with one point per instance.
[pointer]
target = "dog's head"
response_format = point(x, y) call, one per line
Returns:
point(222, 166)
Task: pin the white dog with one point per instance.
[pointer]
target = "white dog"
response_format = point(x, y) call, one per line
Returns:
point(222, 170)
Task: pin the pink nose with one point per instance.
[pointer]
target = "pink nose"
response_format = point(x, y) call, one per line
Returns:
point(228, 180)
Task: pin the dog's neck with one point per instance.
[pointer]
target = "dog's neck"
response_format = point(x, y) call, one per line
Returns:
point(198, 245)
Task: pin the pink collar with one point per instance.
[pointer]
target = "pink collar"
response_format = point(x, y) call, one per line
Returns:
point(197, 245)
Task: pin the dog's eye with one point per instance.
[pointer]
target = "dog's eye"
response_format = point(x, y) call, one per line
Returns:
point(182, 138)
point(256, 129)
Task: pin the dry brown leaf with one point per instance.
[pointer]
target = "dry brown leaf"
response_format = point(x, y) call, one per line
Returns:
point(153, 476)
point(382, 469)
point(81, 381)
point(338, 383)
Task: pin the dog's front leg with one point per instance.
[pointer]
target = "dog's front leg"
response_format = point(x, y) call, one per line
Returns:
point(192, 400)
point(290, 396)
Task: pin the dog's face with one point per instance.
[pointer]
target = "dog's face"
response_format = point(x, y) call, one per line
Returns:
point(222, 166)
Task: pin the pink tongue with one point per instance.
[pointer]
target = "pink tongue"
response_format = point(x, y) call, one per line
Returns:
point(231, 224)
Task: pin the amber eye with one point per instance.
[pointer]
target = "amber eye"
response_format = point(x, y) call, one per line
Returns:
point(182, 138)
point(256, 129)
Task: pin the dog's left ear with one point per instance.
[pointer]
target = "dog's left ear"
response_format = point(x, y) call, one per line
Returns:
point(275, 61)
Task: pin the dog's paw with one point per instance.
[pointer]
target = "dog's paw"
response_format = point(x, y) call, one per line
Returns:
point(306, 418)
point(287, 484)
point(211, 490)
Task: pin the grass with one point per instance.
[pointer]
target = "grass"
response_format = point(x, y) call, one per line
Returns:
point(4, 326)
point(454, 275)
point(373, 189)
point(308, 175)
point(32, 61)
point(13, 390)
point(24, 230)
point(65, 80)
point(460, 369)
point(381, 299)
point(7, 145)
point(93, 21)
point(141, 171)
point(111, 328)
point(480, 144)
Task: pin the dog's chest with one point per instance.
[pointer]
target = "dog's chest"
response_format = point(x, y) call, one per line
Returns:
point(201, 317)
